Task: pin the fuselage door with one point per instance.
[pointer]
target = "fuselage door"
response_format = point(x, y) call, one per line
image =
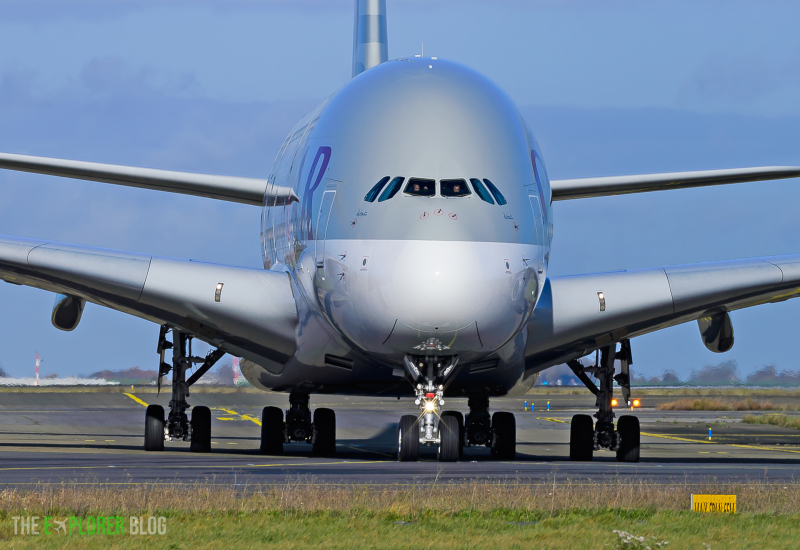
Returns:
point(538, 226)
point(322, 224)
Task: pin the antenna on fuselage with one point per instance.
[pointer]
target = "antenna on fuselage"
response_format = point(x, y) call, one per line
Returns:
point(370, 44)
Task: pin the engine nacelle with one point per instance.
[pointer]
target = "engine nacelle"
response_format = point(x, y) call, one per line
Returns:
point(716, 332)
point(67, 311)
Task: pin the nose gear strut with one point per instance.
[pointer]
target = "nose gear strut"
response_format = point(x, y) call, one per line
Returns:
point(429, 370)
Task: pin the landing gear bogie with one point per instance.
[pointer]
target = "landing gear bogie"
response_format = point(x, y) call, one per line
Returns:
point(298, 427)
point(177, 425)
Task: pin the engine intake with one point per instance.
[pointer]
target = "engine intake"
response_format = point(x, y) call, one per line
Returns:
point(67, 311)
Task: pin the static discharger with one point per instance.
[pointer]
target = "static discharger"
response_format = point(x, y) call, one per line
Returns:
point(714, 503)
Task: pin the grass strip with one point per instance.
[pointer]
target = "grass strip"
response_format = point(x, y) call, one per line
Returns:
point(481, 514)
point(774, 420)
point(575, 529)
point(707, 404)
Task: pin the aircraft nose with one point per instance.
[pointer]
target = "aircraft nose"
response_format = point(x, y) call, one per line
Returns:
point(458, 292)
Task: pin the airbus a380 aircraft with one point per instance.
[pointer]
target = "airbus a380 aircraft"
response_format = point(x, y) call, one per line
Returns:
point(406, 233)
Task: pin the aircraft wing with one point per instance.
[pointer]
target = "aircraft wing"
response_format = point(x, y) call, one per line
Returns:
point(571, 320)
point(581, 188)
point(254, 316)
point(253, 191)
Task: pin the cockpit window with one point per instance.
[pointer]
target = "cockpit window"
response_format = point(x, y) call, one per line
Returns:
point(391, 189)
point(373, 193)
point(481, 191)
point(454, 188)
point(420, 187)
point(498, 196)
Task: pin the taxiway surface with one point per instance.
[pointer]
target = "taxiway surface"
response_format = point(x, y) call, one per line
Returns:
point(90, 437)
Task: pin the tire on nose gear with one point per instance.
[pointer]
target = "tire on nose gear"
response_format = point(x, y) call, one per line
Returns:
point(448, 433)
point(408, 439)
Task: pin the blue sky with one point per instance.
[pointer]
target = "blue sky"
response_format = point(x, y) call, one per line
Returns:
point(622, 87)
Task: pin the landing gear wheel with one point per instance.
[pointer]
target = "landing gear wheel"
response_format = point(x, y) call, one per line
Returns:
point(324, 433)
point(154, 428)
point(581, 438)
point(272, 431)
point(460, 418)
point(504, 436)
point(201, 430)
point(408, 439)
point(449, 444)
point(628, 433)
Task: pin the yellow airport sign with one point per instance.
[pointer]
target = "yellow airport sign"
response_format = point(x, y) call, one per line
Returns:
point(714, 503)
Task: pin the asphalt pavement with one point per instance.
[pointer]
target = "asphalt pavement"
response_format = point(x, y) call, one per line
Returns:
point(97, 436)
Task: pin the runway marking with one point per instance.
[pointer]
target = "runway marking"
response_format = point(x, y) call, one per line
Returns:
point(142, 403)
point(674, 438)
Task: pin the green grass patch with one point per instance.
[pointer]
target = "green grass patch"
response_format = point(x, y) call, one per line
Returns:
point(782, 420)
point(572, 529)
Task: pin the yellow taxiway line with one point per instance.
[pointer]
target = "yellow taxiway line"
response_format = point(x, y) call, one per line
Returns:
point(234, 414)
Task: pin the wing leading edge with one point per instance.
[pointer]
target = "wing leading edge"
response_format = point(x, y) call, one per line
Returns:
point(581, 188)
point(255, 316)
point(254, 191)
point(568, 322)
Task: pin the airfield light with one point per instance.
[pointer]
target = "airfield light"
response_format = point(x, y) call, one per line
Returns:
point(636, 403)
point(614, 402)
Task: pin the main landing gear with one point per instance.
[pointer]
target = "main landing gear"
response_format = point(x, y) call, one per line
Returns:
point(430, 371)
point(298, 427)
point(586, 436)
point(177, 425)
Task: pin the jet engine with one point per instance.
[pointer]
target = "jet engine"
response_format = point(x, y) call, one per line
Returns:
point(67, 311)
point(717, 332)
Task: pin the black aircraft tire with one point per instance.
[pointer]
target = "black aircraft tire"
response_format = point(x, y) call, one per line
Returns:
point(324, 433)
point(272, 431)
point(408, 439)
point(460, 417)
point(448, 433)
point(628, 432)
point(201, 430)
point(154, 428)
point(581, 438)
point(504, 431)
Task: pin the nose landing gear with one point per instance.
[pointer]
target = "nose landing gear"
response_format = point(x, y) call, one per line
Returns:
point(430, 372)
point(586, 438)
